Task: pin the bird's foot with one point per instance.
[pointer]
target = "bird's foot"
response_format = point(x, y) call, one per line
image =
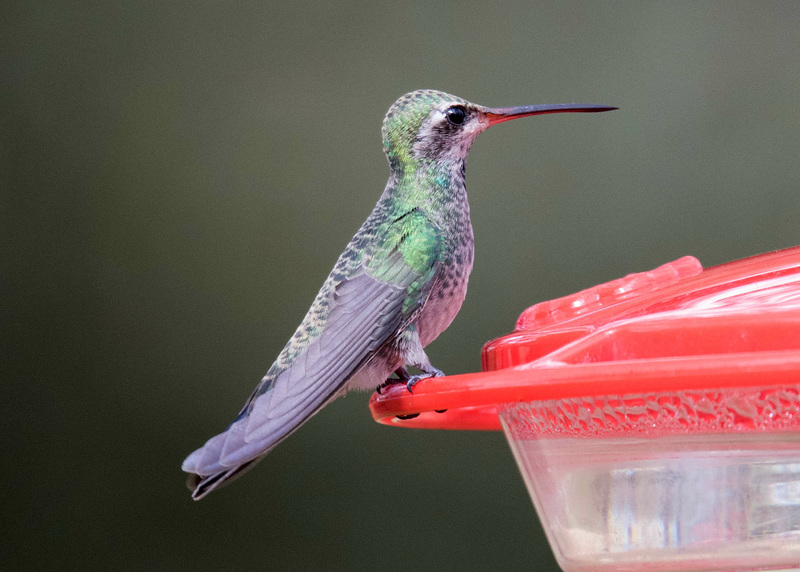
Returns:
point(415, 379)
point(402, 377)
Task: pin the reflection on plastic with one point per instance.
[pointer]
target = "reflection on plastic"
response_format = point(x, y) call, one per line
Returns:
point(697, 480)
point(673, 504)
point(656, 414)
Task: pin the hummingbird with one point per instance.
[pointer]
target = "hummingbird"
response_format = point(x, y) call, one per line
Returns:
point(398, 284)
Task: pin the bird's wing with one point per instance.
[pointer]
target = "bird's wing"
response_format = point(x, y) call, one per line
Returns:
point(372, 292)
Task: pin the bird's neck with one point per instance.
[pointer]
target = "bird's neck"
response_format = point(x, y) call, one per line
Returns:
point(434, 187)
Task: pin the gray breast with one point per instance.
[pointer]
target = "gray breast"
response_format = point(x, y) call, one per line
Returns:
point(446, 296)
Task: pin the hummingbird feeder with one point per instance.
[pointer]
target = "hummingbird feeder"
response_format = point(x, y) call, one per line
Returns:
point(655, 419)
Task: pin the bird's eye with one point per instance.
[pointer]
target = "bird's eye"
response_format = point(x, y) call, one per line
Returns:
point(456, 114)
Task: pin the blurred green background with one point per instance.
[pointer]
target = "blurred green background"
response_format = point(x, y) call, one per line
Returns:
point(178, 178)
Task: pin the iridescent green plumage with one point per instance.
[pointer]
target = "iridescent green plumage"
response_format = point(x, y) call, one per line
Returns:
point(398, 284)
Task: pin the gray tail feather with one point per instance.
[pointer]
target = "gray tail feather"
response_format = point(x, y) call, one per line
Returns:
point(201, 485)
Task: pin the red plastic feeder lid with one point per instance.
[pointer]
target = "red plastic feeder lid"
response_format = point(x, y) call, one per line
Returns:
point(676, 328)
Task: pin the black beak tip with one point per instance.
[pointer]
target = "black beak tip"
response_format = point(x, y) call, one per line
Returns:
point(601, 108)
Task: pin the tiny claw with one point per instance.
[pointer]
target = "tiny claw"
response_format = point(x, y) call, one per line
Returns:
point(412, 382)
point(415, 379)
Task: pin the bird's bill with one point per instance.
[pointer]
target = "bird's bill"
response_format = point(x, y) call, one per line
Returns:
point(500, 114)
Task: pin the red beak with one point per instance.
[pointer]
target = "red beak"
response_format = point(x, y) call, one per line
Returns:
point(500, 114)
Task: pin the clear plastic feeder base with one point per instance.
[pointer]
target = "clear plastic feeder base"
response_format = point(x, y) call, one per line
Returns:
point(656, 499)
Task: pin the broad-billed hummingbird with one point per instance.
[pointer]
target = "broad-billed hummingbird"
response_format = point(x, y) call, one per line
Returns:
point(397, 285)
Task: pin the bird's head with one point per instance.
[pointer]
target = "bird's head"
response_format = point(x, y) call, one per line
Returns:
point(433, 125)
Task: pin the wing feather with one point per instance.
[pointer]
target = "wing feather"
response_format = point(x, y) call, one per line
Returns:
point(367, 309)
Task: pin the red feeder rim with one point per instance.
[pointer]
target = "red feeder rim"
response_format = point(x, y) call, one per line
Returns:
point(676, 328)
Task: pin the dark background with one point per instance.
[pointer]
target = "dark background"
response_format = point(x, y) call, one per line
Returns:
point(177, 179)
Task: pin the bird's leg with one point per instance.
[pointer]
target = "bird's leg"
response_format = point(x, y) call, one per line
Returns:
point(402, 377)
point(402, 374)
point(411, 380)
point(415, 356)
point(427, 371)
